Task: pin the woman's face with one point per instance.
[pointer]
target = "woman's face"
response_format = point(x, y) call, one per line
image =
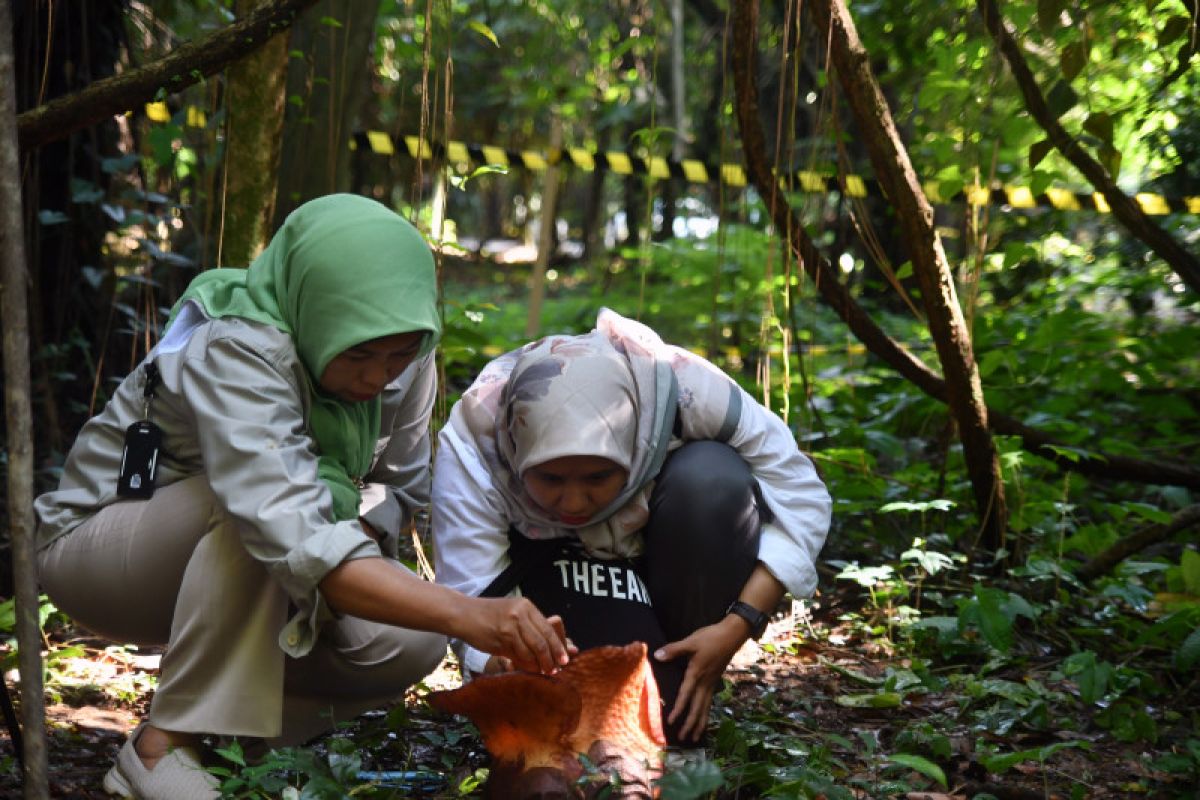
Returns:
point(362, 372)
point(575, 488)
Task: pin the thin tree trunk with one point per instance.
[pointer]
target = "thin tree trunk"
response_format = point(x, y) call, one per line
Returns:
point(594, 218)
point(189, 64)
point(546, 235)
point(254, 100)
point(1127, 211)
point(19, 425)
point(892, 353)
point(673, 187)
point(894, 171)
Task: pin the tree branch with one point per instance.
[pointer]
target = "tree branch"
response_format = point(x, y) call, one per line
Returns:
point(190, 63)
point(1124, 208)
point(1137, 541)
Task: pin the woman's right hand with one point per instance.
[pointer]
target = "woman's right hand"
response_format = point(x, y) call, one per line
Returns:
point(513, 628)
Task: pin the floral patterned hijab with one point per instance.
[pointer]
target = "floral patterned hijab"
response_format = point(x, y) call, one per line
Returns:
point(606, 393)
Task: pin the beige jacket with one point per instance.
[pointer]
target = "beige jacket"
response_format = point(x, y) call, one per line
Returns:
point(233, 405)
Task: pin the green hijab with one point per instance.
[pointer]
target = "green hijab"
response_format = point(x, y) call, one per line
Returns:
point(341, 270)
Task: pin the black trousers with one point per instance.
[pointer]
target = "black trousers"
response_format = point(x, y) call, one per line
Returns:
point(701, 544)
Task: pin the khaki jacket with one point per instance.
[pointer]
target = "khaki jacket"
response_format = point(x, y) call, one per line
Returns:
point(233, 404)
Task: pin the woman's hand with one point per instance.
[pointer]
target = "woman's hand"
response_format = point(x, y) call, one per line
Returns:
point(497, 665)
point(512, 628)
point(709, 649)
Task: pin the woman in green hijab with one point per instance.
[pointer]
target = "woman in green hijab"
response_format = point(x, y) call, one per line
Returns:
point(240, 500)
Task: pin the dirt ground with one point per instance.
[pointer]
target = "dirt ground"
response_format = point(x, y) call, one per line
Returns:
point(799, 685)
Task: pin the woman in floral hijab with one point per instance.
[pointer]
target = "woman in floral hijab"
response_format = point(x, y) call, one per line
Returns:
point(634, 489)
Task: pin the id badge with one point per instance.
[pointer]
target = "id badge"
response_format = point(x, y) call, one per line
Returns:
point(139, 460)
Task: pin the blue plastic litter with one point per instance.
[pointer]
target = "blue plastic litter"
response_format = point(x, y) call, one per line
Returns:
point(417, 781)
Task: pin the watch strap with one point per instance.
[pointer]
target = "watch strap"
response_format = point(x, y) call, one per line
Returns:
point(756, 619)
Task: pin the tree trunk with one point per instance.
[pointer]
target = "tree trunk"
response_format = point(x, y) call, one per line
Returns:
point(594, 218)
point(896, 175)
point(18, 418)
point(325, 87)
point(254, 102)
point(546, 235)
point(189, 64)
point(1127, 211)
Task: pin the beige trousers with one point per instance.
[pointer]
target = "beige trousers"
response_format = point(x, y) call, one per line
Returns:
point(172, 570)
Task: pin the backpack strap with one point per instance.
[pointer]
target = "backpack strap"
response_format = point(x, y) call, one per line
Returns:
point(524, 556)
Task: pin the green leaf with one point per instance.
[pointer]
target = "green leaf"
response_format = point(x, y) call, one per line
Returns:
point(921, 765)
point(1000, 763)
point(866, 576)
point(1173, 29)
point(878, 700)
point(1100, 125)
point(1072, 454)
point(1061, 98)
point(1189, 565)
point(85, 192)
point(232, 753)
point(1092, 676)
point(1040, 181)
point(484, 31)
point(162, 142)
point(1149, 512)
point(1110, 157)
point(1038, 151)
point(1188, 653)
point(940, 504)
point(994, 624)
point(950, 187)
point(48, 217)
point(1049, 15)
point(691, 781)
point(8, 615)
point(1072, 59)
point(330, 22)
point(121, 164)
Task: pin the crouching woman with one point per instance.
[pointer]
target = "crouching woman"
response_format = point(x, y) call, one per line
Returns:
point(634, 489)
point(240, 498)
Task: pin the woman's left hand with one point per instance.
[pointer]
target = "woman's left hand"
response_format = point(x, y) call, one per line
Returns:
point(710, 649)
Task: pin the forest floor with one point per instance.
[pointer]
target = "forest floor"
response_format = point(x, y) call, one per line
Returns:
point(790, 693)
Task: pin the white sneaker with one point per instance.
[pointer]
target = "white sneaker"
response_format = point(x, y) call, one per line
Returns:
point(178, 775)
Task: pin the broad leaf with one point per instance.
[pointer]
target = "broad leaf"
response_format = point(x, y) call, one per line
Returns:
point(1072, 59)
point(693, 780)
point(921, 765)
point(1188, 654)
point(1038, 151)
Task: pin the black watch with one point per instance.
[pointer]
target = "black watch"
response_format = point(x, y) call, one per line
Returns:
point(757, 619)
